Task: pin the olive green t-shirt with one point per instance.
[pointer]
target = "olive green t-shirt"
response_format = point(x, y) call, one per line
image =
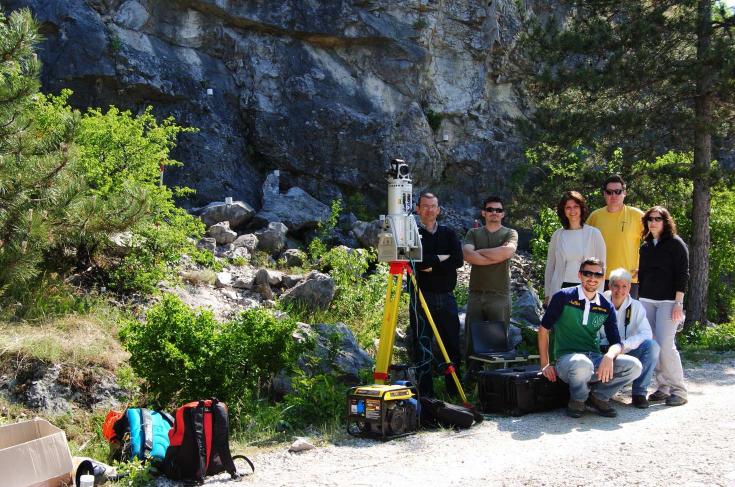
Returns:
point(493, 278)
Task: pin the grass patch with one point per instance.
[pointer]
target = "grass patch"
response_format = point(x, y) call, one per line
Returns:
point(76, 339)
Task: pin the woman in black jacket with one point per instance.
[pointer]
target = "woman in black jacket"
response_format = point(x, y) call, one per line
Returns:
point(663, 273)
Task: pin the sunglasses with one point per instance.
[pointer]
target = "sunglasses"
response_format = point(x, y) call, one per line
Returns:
point(654, 219)
point(494, 210)
point(592, 274)
point(611, 192)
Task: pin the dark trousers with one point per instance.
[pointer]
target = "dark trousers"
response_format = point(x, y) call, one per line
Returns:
point(443, 309)
point(633, 288)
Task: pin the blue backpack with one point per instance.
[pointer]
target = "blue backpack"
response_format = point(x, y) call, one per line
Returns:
point(143, 434)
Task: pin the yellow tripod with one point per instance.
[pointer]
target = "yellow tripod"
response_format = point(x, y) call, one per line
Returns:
point(390, 319)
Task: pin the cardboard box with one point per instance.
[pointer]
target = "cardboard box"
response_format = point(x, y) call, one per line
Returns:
point(34, 454)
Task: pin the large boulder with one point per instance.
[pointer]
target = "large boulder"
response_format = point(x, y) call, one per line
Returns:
point(236, 213)
point(221, 233)
point(315, 291)
point(248, 241)
point(298, 210)
point(366, 233)
point(273, 238)
point(335, 352)
point(527, 307)
point(294, 257)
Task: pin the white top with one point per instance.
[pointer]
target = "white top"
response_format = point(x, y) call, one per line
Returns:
point(567, 249)
point(638, 330)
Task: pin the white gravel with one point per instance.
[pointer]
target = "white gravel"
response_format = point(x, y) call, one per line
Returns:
point(689, 445)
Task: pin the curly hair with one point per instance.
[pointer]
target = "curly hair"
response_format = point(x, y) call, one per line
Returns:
point(581, 201)
point(669, 224)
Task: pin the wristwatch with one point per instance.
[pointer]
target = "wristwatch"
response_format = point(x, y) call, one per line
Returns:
point(681, 303)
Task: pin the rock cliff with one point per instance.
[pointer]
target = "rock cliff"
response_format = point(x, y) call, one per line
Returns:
point(327, 92)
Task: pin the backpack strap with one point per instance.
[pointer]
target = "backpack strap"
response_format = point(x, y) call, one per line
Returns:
point(628, 312)
point(198, 424)
point(246, 459)
point(221, 438)
point(146, 424)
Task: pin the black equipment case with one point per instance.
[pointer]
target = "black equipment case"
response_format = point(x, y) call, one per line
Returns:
point(519, 390)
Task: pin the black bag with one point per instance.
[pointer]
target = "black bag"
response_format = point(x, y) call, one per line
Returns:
point(439, 413)
point(200, 443)
point(519, 390)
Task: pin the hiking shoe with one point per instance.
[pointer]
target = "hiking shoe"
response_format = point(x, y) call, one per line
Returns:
point(603, 408)
point(658, 396)
point(640, 401)
point(575, 409)
point(674, 400)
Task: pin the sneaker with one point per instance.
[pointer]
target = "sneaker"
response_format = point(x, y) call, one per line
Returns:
point(575, 409)
point(674, 400)
point(603, 408)
point(658, 396)
point(640, 401)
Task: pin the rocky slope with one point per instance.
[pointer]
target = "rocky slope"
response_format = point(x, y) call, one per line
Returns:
point(328, 92)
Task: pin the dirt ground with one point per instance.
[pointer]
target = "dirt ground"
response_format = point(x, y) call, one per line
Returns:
point(689, 445)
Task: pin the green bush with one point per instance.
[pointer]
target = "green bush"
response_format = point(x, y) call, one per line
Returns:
point(548, 222)
point(184, 355)
point(717, 338)
point(176, 352)
point(319, 244)
point(315, 401)
point(254, 347)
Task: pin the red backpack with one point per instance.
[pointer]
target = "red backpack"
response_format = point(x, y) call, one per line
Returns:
point(200, 443)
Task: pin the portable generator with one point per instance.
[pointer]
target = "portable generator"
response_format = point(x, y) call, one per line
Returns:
point(382, 411)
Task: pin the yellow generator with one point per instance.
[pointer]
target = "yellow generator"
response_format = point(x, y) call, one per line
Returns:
point(382, 411)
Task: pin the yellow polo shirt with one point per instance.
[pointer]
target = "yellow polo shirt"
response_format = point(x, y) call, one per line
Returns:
point(622, 234)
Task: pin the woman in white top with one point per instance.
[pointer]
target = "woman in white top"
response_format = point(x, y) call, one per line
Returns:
point(570, 245)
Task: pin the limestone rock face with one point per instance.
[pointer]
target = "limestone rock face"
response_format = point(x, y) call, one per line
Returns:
point(327, 92)
point(236, 213)
point(315, 291)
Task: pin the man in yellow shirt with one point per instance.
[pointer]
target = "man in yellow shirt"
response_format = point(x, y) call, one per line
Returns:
point(621, 227)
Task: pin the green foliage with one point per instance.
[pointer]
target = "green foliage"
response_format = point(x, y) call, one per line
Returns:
point(420, 24)
point(434, 119)
point(184, 354)
point(317, 401)
point(716, 338)
point(135, 473)
point(462, 294)
point(548, 222)
point(206, 259)
point(319, 244)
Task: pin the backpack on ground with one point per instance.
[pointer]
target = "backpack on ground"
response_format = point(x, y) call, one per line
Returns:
point(200, 443)
point(439, 413)
point(138, 433)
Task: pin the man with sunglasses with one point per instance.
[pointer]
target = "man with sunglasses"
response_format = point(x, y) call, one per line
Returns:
point(489, 249)
point(576, 314)
point(621, 228)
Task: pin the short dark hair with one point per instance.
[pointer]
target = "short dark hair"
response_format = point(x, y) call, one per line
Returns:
point(591, 261)
point(426, 194)
point(669, 224)
point(493, 199)
point(576, 196)
point(615, 178)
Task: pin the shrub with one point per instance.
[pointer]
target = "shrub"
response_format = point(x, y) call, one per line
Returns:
point(315, 401)
point(319, 244)
point(717, 338)
point(175, 351)
point(184, 354)
point(548, 223)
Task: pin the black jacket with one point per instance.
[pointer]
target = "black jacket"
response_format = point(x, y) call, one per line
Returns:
point(443, 275)
point(663, 269)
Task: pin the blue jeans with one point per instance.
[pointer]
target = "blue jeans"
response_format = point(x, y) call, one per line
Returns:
point(578, 370)
point(647, 352)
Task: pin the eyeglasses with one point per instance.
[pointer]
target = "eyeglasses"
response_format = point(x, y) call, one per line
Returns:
point(494, 210)
point(654, 219)
point(611, 192)
point(592, 274)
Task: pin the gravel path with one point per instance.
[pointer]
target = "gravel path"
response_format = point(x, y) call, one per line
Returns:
point(689, 445)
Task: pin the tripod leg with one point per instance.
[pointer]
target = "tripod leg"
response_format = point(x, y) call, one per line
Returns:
point(388, 328)
point(439, 340)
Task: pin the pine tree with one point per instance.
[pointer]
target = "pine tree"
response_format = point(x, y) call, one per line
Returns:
point(35, 181)
point(647, 77)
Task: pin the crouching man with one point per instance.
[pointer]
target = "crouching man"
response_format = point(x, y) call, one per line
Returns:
point(576, 315)
point(635, 332)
